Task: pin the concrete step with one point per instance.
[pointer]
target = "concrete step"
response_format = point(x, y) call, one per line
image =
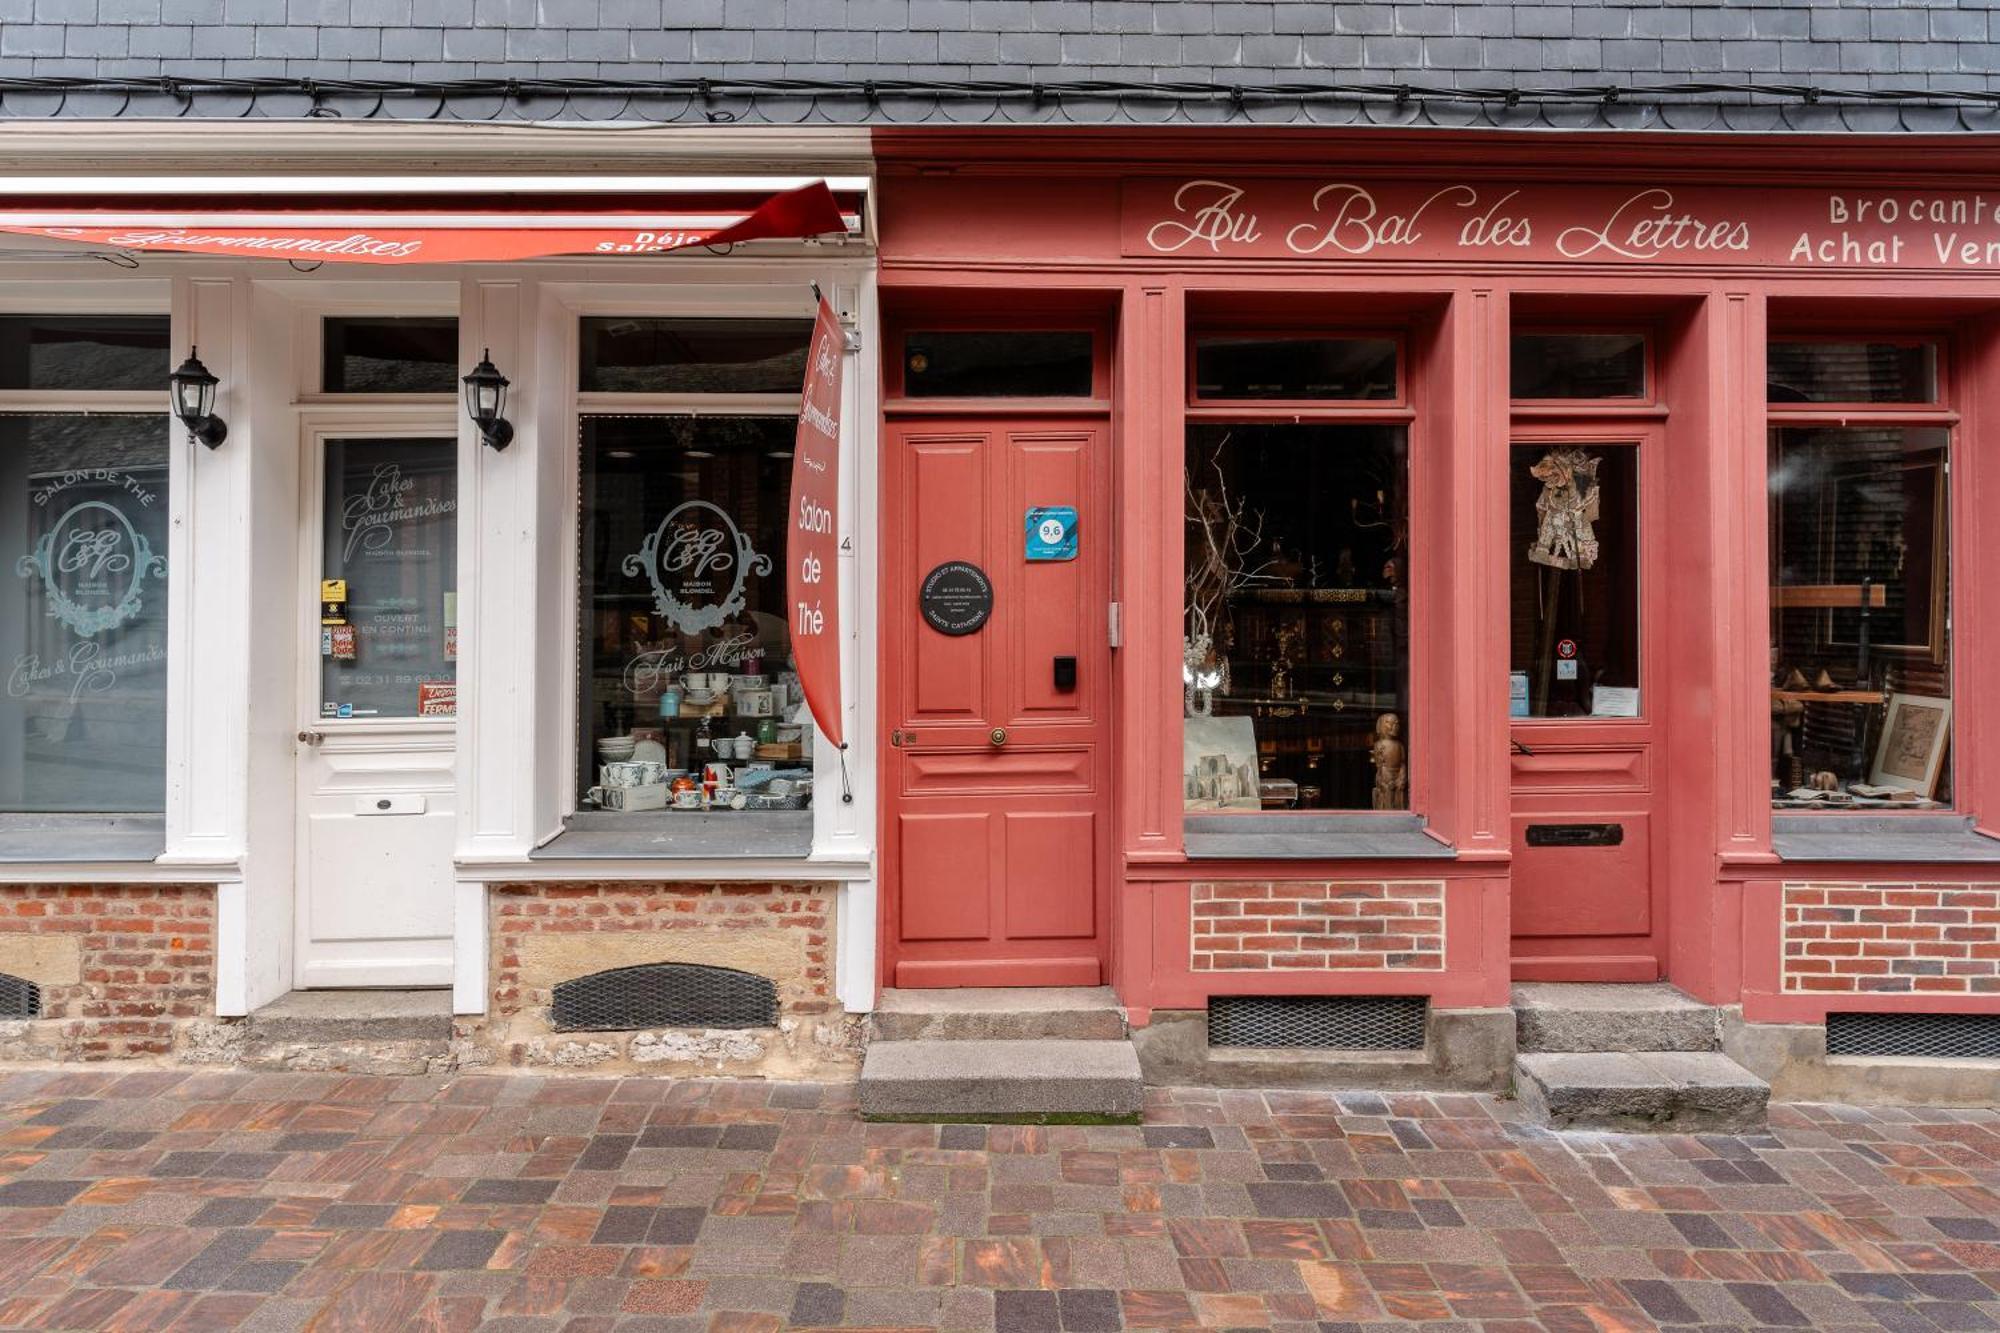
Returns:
point(1066, 1013)
point(1680, 1091)
point(351, 1031)
point(1578, 1016)
point(1001, 1080)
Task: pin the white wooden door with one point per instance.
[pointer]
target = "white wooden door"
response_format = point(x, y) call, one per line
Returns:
point(378, 709)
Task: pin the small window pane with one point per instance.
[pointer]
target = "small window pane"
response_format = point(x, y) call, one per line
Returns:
point(685, 659)
point(83, 352)
point(1852, 372)
point(1254, 368)
point(1295, 656)
point(83, 613)
point(391, 531)
point(389, 354)
point(625, 355)
point(1579, 365)
point(998, 365)
point(1575, 587)
point(1860, 625)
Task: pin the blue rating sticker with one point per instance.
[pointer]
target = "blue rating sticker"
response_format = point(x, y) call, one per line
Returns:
point(1052, 532)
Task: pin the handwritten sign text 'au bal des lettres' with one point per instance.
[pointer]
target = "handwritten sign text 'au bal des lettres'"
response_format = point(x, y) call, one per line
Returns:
point(1785, 228)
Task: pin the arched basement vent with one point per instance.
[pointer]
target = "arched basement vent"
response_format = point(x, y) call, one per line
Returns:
point(19, 998)
point(1932, 1036)
point(1329, 1022)
point(664, 995)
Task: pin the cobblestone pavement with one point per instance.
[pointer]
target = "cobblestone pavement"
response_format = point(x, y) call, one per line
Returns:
point(166, 1200)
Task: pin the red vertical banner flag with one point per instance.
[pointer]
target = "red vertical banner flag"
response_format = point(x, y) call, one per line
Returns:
point(812, 581)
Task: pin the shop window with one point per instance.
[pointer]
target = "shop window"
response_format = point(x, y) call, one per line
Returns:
point(1579, 365)
point(621, 354)
point(1861, 697)
point(688, 696)
point(1852, 371)
point(83, 610)
point(61, 353)
point(389, 354)
point(1574, 590)
point(1231, 368)
point(1031, 364)
point(1296, 647)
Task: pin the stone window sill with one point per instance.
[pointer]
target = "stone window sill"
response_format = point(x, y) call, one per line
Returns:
point(681, 836)
point(1913, 839)
point(1359, 836)
point(82, 839)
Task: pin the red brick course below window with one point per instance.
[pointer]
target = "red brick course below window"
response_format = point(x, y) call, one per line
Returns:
point(121, 967)
point(1309, 925)
point(1903, 939)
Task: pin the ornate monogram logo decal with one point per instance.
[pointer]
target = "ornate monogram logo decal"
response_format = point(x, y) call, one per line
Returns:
point(93, 565)
point(697, 561)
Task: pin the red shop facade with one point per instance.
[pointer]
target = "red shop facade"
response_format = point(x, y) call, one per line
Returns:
point(1408, 564)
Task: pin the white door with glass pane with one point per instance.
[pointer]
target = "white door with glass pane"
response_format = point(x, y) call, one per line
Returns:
point(378, 703)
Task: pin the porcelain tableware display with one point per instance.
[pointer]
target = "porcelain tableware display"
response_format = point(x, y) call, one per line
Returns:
point(651, 796)
point(688, 798)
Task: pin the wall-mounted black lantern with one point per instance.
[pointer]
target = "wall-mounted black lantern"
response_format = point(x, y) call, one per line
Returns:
point(486, 401)
point(193, 389)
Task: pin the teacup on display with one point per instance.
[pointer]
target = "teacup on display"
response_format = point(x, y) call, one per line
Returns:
point(687, 800)
point(631, 773)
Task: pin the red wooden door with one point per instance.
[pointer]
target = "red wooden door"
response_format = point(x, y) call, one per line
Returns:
point(996, 823)
point(1587, 798)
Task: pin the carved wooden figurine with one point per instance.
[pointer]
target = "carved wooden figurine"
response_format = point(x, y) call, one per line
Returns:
point(1391, 760)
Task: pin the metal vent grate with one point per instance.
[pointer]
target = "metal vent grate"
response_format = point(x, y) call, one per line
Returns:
point(1330, 1022)
point(664, 995)
point(1936, 1036)
point(19, 998)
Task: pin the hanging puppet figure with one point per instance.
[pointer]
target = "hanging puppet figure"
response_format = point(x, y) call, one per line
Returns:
point(1567, 507)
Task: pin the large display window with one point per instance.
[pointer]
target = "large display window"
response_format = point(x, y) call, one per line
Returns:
point(1861, 679)
point(1296, 645)
point(688, 698)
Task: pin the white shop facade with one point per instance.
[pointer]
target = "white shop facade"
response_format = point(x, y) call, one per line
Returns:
point(323, 695)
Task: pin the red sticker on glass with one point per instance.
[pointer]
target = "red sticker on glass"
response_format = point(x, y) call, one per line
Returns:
point(1566, 648)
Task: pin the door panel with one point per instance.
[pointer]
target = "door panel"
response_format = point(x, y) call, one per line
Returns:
point(376, 752)
point(997, 859)
point(1041, 849)
point(959, 846)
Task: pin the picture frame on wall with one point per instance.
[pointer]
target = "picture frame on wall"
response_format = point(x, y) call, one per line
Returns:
point(1915, 735)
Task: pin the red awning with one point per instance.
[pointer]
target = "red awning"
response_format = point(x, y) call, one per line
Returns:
point(404, 234)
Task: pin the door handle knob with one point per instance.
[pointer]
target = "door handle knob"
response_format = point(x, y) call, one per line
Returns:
point(310, 738)
point(998, 735)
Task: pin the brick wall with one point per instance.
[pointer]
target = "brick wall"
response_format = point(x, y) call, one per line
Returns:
point(1892, 938)
point(1314, 925)
point(121, 967)
point(544, 934)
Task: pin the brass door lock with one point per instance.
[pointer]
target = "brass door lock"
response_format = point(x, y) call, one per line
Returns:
point(998, 735)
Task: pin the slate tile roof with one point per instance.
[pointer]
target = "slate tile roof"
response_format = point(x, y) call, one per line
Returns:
point(1456, 58)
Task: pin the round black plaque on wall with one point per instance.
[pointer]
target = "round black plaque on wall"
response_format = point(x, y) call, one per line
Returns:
point(956, 597)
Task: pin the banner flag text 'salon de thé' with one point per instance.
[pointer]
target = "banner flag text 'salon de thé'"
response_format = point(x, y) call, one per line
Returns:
point(812, 582)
